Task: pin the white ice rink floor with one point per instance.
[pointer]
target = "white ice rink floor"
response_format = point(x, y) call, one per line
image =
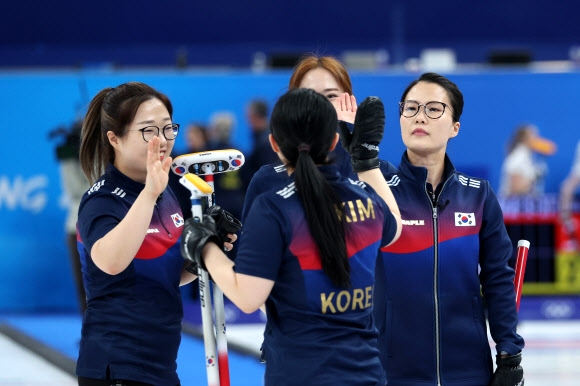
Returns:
point(551, 356)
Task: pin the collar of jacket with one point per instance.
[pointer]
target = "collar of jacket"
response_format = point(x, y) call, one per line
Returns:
point(129, 185)
point(419, 173)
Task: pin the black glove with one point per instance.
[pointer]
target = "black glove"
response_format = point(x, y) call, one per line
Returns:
point(508, 371)
point(195, 235)
point(225, 222)
point(363, 143)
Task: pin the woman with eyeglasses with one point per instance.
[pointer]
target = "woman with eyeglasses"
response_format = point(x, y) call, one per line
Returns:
point(129, 230)
point(449, 269)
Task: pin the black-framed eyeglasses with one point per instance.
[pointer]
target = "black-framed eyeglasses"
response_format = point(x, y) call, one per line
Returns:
point(170, 132)
point(433, 110)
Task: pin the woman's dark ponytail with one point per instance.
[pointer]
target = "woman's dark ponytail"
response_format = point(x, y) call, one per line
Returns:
point(304, 126)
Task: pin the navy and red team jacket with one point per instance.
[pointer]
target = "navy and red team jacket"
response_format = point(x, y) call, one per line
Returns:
point(444, 276)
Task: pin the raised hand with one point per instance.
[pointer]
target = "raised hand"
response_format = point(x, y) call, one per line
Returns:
point(345, 105)
point(157, 168)
point(363, 143)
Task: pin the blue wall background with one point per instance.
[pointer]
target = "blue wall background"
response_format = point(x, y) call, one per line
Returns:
point(35, 272)
point(228, 32)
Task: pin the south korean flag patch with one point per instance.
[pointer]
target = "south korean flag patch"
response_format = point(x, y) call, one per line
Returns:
point(464, 219)
point(177, 220)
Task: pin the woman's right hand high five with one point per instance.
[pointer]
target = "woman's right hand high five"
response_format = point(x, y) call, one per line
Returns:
point(158, 165)
point(345, 105)
point(363, 143)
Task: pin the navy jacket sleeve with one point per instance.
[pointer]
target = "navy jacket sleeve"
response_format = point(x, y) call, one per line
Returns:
point(497, 276)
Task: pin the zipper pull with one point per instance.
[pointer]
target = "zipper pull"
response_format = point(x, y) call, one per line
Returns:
point(435, 212)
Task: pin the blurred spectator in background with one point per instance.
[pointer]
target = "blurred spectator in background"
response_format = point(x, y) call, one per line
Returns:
point(220, 128)
point(567, 193)
point(524, 169)
point(228, 186)
point(74, 185)
point(196, 138)
point(261, 154)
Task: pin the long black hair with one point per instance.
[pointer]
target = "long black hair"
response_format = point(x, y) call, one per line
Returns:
point(304, 125)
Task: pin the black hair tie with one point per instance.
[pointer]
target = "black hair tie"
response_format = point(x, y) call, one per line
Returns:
point(303, 148)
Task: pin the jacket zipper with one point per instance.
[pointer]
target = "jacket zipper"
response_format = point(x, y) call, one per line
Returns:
point(434, 201)
point(162, 223)
point(435, 278)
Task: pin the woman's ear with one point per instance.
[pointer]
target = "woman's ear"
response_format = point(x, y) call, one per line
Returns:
point(334, 142)
point(274, 144)
point(276, 149)
point(455, 130)
point(113, 139)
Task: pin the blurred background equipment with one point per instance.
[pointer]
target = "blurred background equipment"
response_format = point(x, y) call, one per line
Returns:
point(74, 185)
point(542, 33)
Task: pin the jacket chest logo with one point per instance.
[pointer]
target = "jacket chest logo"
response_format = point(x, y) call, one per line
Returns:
point(413, 222)
point(177, 220)
point(464, 219)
